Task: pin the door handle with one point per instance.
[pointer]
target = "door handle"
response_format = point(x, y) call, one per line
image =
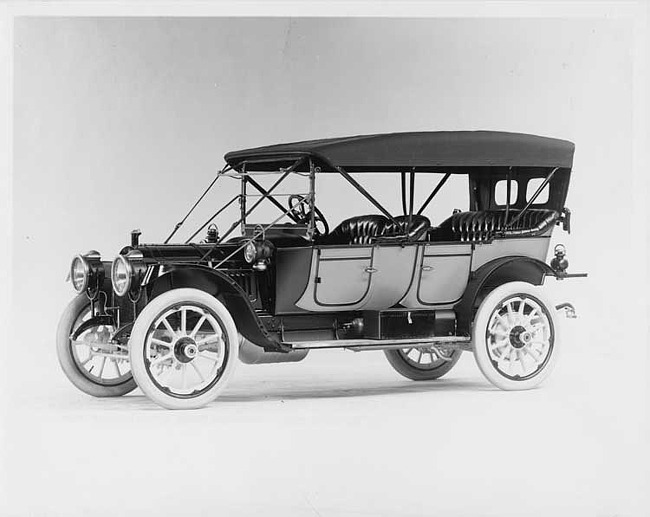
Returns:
point(371, 269)
point(427, 268)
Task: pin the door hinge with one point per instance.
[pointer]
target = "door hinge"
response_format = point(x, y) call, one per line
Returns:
point(317, 280)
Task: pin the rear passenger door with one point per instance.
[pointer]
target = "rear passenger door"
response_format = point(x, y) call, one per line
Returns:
point(441, 274)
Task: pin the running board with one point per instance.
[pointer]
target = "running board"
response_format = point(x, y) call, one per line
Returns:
point(359, 345)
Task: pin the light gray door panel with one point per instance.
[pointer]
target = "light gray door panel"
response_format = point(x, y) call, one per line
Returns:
point(442, 272)
point(344, 276)
point(392, 274)
point(339, 279)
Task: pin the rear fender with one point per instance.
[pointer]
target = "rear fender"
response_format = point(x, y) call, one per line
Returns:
point(490, 276)
point(228, 292)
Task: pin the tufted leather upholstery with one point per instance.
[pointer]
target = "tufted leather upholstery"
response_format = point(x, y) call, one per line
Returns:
point(419, 226)
point(365, 229)
point(357, 230)
point(482, 225)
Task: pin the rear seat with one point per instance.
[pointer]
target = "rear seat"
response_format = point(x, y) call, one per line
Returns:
point(483, 225)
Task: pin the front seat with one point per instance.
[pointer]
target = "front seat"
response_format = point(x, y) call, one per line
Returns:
point(361, 229)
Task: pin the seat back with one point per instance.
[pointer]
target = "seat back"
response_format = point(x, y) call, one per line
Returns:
point(418, 227)
point(483, 225)
point(361, 229)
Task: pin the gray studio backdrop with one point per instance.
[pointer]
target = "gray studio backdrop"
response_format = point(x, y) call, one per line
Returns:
point(121, 122)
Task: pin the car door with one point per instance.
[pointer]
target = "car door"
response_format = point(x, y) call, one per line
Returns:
point(358, 277)
point(441, 275)
point(339, 278)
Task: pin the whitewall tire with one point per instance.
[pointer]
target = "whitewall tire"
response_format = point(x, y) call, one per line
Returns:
point(183, 348)
point(85, 361)
point(515, 336)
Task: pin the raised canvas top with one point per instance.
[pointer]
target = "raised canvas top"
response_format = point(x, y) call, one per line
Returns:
point(422, 150)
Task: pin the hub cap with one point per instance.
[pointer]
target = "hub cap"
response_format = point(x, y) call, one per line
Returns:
point(519, 337)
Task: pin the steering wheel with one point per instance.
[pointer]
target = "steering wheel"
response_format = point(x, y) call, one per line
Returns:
point(298, 212)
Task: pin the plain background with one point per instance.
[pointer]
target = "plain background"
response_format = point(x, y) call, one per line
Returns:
point(121, 122)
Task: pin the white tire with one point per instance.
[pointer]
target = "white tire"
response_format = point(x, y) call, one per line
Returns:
point(83, 361)
point(515, 336)
point(183, 349)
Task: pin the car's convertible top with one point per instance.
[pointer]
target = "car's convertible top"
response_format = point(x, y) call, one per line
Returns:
point(422, 150)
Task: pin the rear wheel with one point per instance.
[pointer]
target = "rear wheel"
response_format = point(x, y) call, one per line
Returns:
point(422, 363)
point(515, 336)
point(183, 349)
point(93, 364)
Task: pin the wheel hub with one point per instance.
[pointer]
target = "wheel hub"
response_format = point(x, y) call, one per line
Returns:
point(186, 349)
point(520, 337)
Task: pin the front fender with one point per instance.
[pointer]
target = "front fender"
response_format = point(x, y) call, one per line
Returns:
point(226, 290)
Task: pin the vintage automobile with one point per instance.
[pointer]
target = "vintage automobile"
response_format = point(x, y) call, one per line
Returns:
point(173, 319)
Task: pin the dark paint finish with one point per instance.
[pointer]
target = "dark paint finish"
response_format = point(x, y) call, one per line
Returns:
point(493, 274)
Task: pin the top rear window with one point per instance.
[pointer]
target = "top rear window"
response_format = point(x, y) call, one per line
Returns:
point(501, 192)
point(531, 188)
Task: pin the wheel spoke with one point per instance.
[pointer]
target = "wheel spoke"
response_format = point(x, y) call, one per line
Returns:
point(496, 332)
point(115, 367)
point(203, 344)
point(522, 305)
point(160, 342)
point(161, 359)
point(532, 314)
point(520, 360)
point(504, 321)
point(198, 326)
point(183, 320)
point(85, 361)
point(184, 377)
point(541, 345)
point(528, 350)
point(213, 359)
point(420, 356)
point(198, 372)
point(168, 327)
point(101, 368)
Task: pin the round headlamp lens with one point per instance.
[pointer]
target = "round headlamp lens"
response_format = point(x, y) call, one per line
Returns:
point(79, 273)
point(250, 252)
point(121, 275)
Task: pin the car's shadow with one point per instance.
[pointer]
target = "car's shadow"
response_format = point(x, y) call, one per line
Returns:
point(269, 391)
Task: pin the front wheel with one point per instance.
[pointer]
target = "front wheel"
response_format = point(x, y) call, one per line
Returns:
point(515, 336)
point(183, 349)
point(91, 362)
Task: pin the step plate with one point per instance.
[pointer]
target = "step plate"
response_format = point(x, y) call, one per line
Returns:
point(462, 343)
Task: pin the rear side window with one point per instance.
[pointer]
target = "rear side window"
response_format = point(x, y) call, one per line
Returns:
point(501, 192)
point(531, 188)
